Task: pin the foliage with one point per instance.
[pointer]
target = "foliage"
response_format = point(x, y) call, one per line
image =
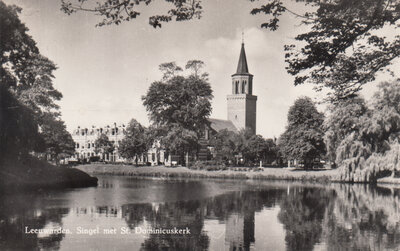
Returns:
point(252, 147)
point(342, 49)
point(27, 75)
point(178, 108)
point(22, 68)
point(223, 143)
point(303, 138)
point(370, 151)
point(115, 12)
point(345, 45)
point(302, 213)
point(103, 144)
point(58, 142)
point(18, 129)
point(169, 70)
point(196, 66)
point(343, 119)
point(135, 141)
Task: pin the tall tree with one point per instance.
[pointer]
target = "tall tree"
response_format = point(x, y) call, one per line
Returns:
point(135, 142)
point(178, 108)
point(346, 44)
point(28, 77)
point(303, 138)
point(343, 119)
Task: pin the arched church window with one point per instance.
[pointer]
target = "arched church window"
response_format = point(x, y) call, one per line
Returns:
point(237, 87)
point(244, 86)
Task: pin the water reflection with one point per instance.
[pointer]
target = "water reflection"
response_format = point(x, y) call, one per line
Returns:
point(221, 215)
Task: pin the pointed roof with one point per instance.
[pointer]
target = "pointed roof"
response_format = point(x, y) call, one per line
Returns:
point(242, 65)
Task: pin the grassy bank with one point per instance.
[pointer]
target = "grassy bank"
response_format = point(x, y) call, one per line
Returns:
point(232, 173)
point(31, 173)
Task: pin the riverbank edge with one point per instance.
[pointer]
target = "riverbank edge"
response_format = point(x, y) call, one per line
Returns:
point(285, 174)
point(31, 173)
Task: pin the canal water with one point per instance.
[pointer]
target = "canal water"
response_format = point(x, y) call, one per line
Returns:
point(124, 213)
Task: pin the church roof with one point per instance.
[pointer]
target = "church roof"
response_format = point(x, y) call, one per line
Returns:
point(242, 64)
point(221, 124)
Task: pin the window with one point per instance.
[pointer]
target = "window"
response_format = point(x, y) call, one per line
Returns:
point(77, 145)
point(244, 86)
point(237, 87)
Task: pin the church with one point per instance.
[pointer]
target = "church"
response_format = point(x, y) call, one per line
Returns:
point(242, 104)
point(241, 109)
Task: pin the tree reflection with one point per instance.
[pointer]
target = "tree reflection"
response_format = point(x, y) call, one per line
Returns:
point(302, 213)
point(364, 218)
point(332, 217)
point(16, 214)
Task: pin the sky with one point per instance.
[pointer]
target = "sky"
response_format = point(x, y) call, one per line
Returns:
point(104, 71)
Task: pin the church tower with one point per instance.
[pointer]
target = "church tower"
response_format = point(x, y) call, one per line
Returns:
point(242, 103)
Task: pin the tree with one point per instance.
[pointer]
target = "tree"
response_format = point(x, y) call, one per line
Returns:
point(115, 12)
point(178, 108)
point(223, 143)
point(135, 142)
point(103, 145)
point(371, 151)
point(343, 119)
point(26, 84)
point(26, 72)
point(303, 138)
point(345, 45)
point(18, 130)
point(58, 142)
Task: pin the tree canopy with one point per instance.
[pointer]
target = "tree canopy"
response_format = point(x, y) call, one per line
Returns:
point(303, 137)
point(103, 144)
point(27, 76)
point(178, 108)
point(369, 149)
point(135, 141)
point(343, 119)
point(345, 45)
point(115, 12)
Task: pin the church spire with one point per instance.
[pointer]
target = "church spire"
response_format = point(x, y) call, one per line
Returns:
point(242, 65)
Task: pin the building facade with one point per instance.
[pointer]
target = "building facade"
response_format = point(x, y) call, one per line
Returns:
point(85, 138)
